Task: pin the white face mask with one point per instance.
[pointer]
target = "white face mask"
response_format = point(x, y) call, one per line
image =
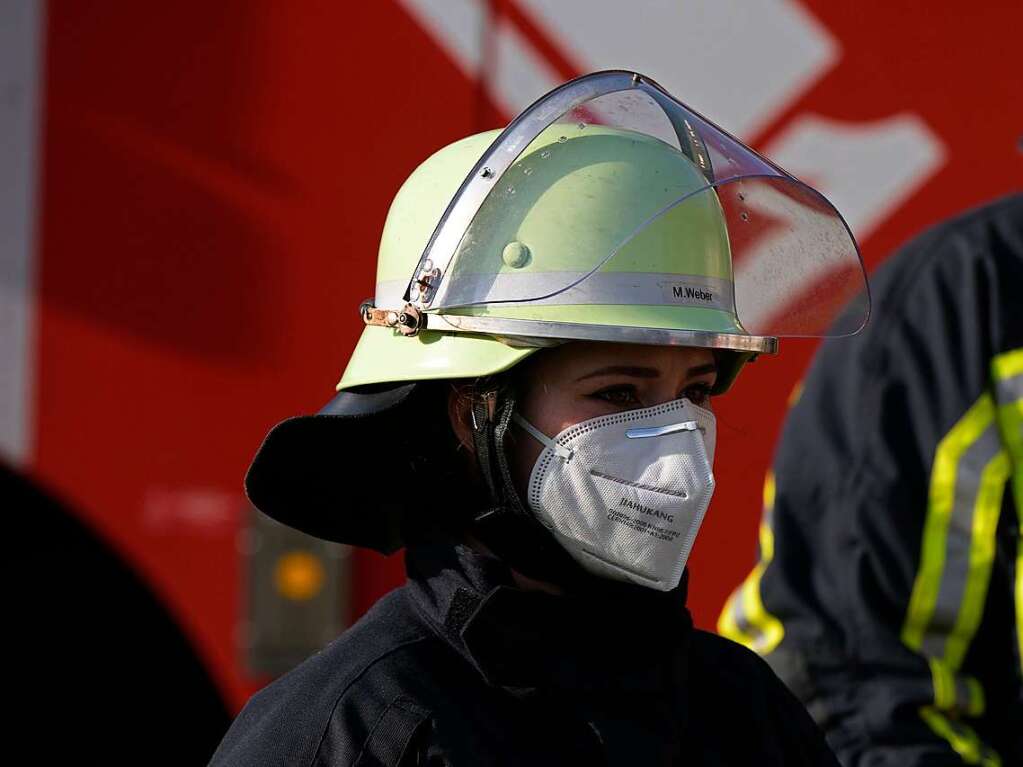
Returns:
point(625, 493)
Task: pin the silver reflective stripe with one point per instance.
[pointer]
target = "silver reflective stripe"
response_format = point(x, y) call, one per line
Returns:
point(1009, 389)
point(502, 326)
point(614, 288)
point(956, 574)
point(659, 431)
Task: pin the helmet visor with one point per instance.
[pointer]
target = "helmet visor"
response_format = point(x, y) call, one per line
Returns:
point(610, 192)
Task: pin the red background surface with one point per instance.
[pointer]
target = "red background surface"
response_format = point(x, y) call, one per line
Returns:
point(215, 177)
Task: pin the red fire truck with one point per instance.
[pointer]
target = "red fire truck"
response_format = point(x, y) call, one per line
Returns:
point(192, 195)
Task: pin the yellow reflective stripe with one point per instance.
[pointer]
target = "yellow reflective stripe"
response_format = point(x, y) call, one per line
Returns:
point(975, 697)
point(745, 619)
point(941, 500)
point(944, 685)
point(729, 627)
point(1007, 364)
point(1010, 417)
point(955, 692)
point(1010, 422)
point(795, 394)
point(764, 632)
point(769, 631)
point(767, 499)
point(1019, 594)
point(962, 739)
point(987, 508)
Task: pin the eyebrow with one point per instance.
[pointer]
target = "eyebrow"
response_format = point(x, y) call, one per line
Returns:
point(641, 372)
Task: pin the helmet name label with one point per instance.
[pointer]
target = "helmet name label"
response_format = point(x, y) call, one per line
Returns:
point(683, 293)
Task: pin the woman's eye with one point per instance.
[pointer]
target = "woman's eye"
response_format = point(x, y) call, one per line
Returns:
point(698, 394)
point(622, 395)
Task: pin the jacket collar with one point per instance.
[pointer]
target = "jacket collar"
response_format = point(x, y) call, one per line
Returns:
point(611, 638)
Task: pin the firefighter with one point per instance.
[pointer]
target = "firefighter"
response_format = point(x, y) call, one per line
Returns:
point(889, 592)
point(528, 413)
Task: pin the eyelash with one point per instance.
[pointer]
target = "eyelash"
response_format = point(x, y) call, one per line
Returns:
point(700, 398)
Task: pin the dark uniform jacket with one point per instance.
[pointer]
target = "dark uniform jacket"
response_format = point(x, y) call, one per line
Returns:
point(459, 667)
point(889, 595)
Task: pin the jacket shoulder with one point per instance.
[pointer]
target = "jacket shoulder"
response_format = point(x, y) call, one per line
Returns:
point(955, 265)
point(332, 700)
point(989, 232)
point(730, 663)
point(734, 690)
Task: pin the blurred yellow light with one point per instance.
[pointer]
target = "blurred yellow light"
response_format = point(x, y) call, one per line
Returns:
point(299, 575)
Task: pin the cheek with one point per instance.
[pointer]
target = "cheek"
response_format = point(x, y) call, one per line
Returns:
point(550, 412)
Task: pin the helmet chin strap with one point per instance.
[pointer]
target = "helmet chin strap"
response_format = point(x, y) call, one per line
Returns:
point(506, 526)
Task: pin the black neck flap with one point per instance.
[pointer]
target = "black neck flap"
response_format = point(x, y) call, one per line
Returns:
point(507, 527)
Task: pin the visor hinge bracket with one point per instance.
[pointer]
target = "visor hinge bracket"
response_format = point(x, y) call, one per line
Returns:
point(407, 321)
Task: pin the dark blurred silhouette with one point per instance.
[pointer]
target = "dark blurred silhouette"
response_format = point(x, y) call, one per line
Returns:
point(889, 595)
point(98, 671)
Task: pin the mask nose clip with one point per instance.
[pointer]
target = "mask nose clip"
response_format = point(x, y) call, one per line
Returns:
point(660, 431)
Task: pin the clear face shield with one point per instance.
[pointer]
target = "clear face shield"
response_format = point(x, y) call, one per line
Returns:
point(608, 210)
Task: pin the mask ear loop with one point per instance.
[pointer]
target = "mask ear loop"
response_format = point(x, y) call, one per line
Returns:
point(560, 450)
point(516, 534)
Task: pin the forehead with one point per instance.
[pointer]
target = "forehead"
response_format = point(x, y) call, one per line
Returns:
point(578, 357)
